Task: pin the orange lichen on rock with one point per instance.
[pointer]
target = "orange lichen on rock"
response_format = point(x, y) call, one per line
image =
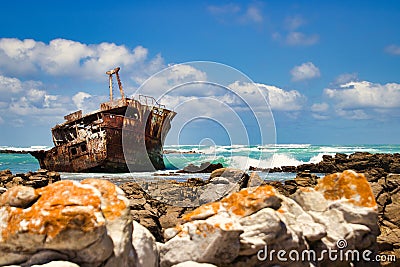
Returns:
point(112, 206)
point(62, 205)
point(242, 203)
point(349, 185)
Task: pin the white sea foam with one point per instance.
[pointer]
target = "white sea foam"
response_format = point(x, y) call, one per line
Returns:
point(276, 160)
point(31, 148)
point(291, 146)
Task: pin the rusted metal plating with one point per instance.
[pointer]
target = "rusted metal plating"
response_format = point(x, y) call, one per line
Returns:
point(125, 134)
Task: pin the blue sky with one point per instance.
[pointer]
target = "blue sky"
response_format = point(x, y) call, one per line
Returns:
point(330, 70)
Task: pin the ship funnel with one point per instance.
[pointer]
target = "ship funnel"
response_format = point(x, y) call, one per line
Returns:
point(121, 90)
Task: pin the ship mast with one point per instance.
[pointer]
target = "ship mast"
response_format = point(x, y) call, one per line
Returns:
point(121, 90)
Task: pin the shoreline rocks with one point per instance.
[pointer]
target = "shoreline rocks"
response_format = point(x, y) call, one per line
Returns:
point(37, 179)
point(358, 161)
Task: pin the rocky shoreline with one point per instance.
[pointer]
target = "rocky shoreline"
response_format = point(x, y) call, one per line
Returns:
point(307, 212)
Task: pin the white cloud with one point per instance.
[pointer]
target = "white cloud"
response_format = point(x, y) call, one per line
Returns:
point(305, 71)
point(173, 76)
point(31, 103)
point(346, 78)
point(278, 99)
point(292, 23)
point(393, 49)
point(79, 98)
point(235, 13)
point(61, 57)
point(319, 107)
point(224, 9)
point(299, 38)
point(356, 114)
point(253, 14)
point(10, 85)
point(292, 34)
point(319, 116)
point(1, 120)
point(364, 94)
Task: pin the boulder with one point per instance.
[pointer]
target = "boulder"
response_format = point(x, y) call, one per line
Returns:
point(236, 229)
point(205, 167)
point(86, 223)
point(145, 246)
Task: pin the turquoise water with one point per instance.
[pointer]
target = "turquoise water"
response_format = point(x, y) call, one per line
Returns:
point(267, 156)
point(237, 156)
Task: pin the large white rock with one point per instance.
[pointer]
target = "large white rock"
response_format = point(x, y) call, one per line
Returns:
point(235, 230)
point(87, 223)
point(145, 246)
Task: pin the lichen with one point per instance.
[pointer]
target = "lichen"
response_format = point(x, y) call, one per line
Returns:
point(348, 185)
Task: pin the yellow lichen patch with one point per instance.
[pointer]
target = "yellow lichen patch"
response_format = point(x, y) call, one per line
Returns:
point(349, 185)
point(242, 203)
point(203, 211)
point(248, 201)
point(62, 205)
point(112, 206)
point(305, 189)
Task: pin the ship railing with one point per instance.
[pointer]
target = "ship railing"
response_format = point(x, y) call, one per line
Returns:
point(149, 101)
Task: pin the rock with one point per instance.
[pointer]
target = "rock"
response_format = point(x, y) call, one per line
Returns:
point(234, 176)
point(205, 167)
point(254, 180)
point(87, 223)
point(341, 207)
point(145, 246)
point(19, 196)
point(36, 179)
point(2, 190)
point(217, 188)
point(193, 264)
point(5, 172)
point(391, 212)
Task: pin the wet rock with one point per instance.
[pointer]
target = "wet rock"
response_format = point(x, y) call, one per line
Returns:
point(205, 167)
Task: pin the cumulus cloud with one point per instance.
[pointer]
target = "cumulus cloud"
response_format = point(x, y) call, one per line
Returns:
point(79, 98)
point(305, 71)
point(393, 49)
point(10, 85)
point(61, 57)
point(292, 33)
point(320, 107)
point(299, 38)
point(30, 102)
point(278, 99)
point(173, 77)
point(346, 78)
point(365, 94)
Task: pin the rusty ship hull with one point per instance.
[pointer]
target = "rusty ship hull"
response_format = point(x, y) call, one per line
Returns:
point(124, 135)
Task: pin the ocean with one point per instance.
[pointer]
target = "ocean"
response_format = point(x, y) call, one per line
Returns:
point(236, 156)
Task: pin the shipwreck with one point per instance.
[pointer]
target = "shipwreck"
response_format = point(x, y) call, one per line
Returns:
point(125, 134)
